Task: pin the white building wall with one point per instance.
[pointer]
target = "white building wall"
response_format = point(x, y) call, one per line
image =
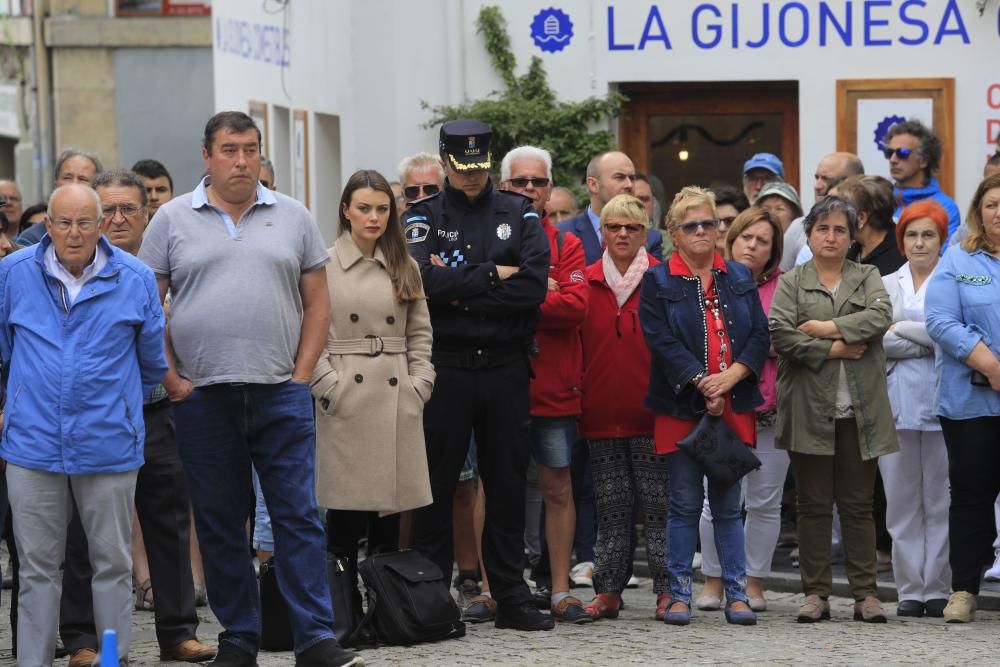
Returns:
point(371, 63)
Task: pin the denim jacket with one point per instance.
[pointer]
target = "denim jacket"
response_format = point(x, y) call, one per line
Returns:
point(672, 313)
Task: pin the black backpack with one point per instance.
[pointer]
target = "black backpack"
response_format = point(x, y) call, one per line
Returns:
point(408, 600)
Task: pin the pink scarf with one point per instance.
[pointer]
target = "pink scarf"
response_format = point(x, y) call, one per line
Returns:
point(623, 286)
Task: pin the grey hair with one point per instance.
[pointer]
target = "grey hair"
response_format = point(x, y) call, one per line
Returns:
point(74, 152)
point(525, 152)
point(93, 193)
point(827, 206)
point(122, 178)
point(418, 161)
point(266, 163)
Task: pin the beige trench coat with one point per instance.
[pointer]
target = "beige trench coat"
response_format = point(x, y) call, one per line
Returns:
point(807, 380)
point(369, 409)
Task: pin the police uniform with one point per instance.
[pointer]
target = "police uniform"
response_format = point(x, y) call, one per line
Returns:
point(483, 329)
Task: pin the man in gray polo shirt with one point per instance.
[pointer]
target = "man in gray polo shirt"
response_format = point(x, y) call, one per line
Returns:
point(249, 316)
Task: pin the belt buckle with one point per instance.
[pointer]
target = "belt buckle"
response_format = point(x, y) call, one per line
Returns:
point(378, 345)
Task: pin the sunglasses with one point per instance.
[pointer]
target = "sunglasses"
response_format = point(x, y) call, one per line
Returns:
point(704, 225)
point(523, 182)
point(901, 153)
point(614, 228)
point(413, 191)
point(728, 220)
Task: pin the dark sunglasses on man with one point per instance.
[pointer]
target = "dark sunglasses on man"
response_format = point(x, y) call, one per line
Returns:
point(414, 192)
point(901, 153)
point(523, 182)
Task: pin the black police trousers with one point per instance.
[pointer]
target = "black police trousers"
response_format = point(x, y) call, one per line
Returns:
point(493, 404)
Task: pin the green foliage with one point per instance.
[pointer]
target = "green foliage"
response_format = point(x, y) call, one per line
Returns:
point(527, 112)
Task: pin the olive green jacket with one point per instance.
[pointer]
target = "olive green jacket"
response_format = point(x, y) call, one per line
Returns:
point(807, 380)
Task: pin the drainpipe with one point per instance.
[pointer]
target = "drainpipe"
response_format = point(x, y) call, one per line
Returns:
point(43, 99)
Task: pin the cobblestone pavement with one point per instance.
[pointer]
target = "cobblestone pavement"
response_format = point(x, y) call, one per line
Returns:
point(635, 638)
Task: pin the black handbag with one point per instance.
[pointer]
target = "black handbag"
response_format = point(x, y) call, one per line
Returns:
point(408, 600)
point(720, 453)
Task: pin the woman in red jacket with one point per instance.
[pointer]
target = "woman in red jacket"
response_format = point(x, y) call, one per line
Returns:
point(627, 473)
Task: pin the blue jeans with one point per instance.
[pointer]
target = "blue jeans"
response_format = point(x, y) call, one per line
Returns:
point(220, 430)
point(687, 494)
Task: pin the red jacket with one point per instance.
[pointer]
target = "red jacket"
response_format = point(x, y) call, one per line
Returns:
point(555, 391)
point(615, 364)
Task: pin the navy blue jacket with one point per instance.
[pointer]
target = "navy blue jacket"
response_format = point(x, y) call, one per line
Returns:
point(470, 306)
point(580, 227)
point(672, 314)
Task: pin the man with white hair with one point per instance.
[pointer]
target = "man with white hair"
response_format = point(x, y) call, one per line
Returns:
point(73, 420)
point(558, 369)
point(421, 175)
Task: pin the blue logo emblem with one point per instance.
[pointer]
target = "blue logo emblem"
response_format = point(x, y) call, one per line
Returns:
point(883, 127)
point(551, 30)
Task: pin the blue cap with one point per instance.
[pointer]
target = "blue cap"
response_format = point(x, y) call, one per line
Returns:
point(768, 161)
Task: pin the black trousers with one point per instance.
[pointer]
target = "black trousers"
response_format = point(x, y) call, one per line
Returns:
point(163, 507)
point(493, 404)
point(974, 472)
point(345, 528)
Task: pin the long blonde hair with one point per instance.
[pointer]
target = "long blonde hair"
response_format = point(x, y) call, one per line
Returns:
point(977, 238)
point(402, 269)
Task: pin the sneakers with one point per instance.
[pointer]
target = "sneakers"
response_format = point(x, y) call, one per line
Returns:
point(869, 610)
point(82, 657)
point(480, 609)
point(570, 610)
point(813, 609)
point(524, 617)
point(467, 588)
point(961, 608)
point(582, 574)
point(992, 574)
point(328, 653)
point(633, 582)
point(230, 655)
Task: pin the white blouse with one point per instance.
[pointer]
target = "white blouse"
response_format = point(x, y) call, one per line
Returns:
point(910, 355)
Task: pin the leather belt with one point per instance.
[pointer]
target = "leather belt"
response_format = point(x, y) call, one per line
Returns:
point(371, 345)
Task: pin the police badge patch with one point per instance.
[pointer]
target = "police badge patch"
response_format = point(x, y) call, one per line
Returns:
point(416, 231)
point(503, 231)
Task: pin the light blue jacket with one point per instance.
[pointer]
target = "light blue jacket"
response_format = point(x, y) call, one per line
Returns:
point(961, 310)
point(76, 374)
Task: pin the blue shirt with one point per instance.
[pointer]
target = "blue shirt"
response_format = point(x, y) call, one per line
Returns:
point(199, 198)
point(961, 310)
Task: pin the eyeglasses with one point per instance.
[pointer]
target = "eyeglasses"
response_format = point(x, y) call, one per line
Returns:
point(414, 191)
point(614, 228)
point(127, 210)
point(523, 182)
point(728, 220)
point(901, 153)
point(704, 225)
point(84, 226)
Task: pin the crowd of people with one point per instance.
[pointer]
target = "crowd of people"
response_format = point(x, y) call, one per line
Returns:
point(482, 371)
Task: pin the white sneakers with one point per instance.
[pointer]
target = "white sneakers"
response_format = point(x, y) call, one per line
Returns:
point(582, 574)
point(993, 574)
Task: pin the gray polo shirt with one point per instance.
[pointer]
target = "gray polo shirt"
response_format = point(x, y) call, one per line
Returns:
point(236, 310)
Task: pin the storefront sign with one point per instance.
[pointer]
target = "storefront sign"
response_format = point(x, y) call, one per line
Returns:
point(253, 41)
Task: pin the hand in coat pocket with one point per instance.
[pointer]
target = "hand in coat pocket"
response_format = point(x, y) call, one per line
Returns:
point(422, 387)
point(324, 380)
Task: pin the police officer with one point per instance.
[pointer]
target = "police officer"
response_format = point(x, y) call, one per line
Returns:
point(484, 261)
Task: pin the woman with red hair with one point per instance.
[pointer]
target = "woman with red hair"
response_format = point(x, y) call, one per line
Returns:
point(915, 477)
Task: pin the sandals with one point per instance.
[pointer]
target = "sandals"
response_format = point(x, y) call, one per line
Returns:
point(604, 605)
point(144, 596)
point(662, 604)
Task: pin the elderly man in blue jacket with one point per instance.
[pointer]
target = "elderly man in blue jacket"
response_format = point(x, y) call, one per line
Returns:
point(81, 335)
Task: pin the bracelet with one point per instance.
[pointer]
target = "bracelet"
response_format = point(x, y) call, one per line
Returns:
point(696, 379)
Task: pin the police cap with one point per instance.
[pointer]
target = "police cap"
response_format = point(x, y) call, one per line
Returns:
point(465, 144)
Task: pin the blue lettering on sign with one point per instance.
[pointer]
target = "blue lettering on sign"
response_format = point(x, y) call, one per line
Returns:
point(648, 36)
point(783, 24)
point(796, 23)
point(253, 41)
point(826, 16)
point(713, 28)
point(952, 10)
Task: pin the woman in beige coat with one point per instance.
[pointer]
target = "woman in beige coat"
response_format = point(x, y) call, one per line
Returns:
point(371, 383)
point(827, 320)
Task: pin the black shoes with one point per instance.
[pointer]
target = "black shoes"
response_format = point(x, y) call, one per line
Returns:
point(230, 655)
point(911, 608)
point(523, 617)
point(328, 653)
point(542, 597)
point(935, 608)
